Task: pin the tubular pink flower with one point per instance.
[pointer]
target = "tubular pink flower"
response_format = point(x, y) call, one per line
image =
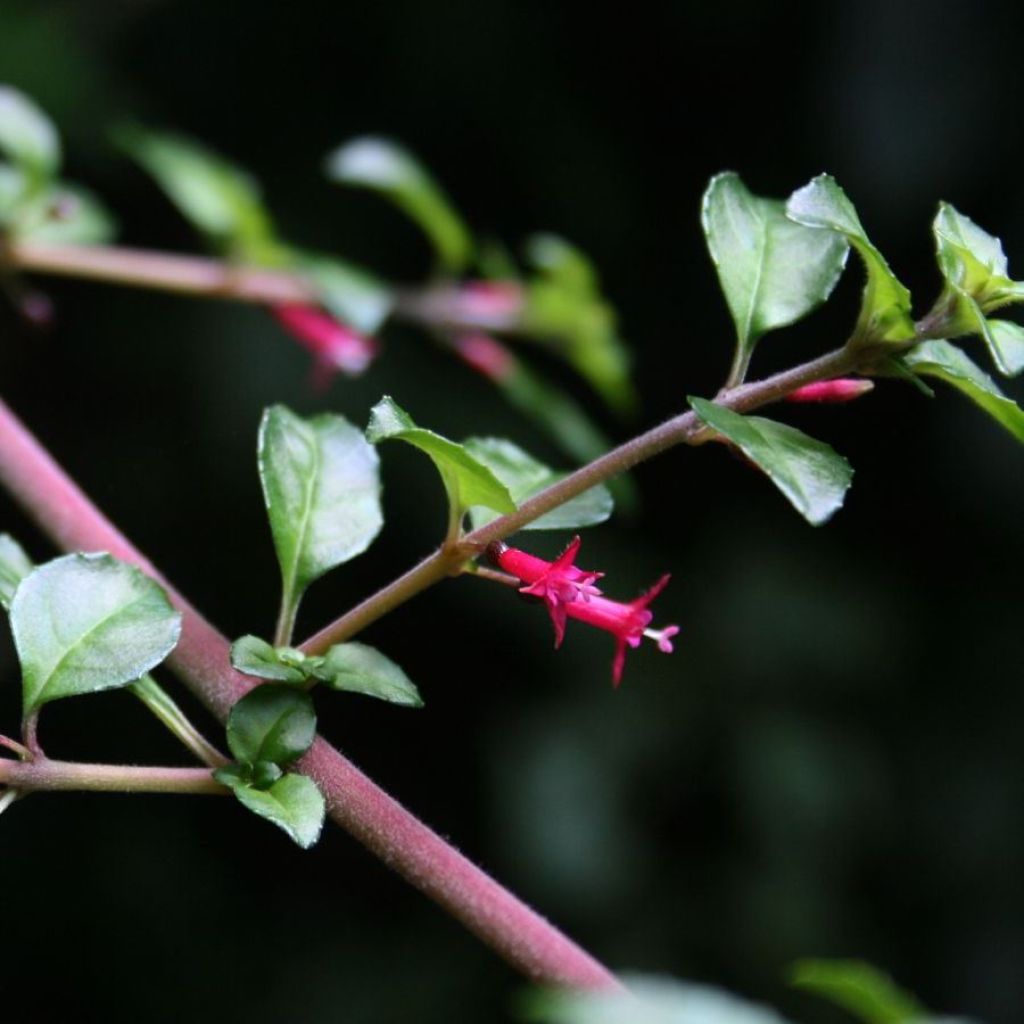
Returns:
point(334, 346)
point(489, 301)
point(840, 389)
point(569, 592)
point(486, 355)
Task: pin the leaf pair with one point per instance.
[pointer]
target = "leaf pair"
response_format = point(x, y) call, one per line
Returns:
point(34, 204)
point(486, 476)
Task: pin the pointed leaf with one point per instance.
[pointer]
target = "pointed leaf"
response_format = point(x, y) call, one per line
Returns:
point(15, 565)
point(271, 723)
point(361, 669)
point(885, 313)
point(565, 310)
point(467, 481)
point(64, 215)
point(524, 476)
point(84, 623)
point(255, 657)
point(385, 167)
point(862, 990)
point(946, 362)
point(27, 136)
point(353, 295)
point(321, 485)
point(293, 803)
point(809, 473)
point(1005, 340)
point(772, 270)
point(219, 199)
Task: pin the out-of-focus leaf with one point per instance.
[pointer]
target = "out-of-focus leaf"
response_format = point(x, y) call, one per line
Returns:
point(946, 362)
point(645, 1000)
point(862, 990)
point(293, 803)
point(772, 269)
point(220, 200)
point(354, 296)
point(885, 313)
point(566, 311)
point(385, 167)
point(467, 481)
point(524, 476)
point(15, 565)
point(84, 623)
point(321, 486)
point(27, 136)
point(358, 668)
point(65, 215)
point(271, 723)
point(812, 476)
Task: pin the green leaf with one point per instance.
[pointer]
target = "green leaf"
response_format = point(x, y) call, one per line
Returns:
point(64, 215)
point(271, 723)
point(645, 1000)
point(321, 485)
point(809, 473)
point(885, 313)
point(27, 136)
point(772, 270)
point(353, 295)
point(293, 803)
point(946, 362)
point(255, 657)
point(977, 281)
point(15, 565)
point(860, 989)
point(358, 668)
point(524, 476)
point(84, 623)
point(385, 167)
point(467, 481)
point(565, 310)
point(220, 200)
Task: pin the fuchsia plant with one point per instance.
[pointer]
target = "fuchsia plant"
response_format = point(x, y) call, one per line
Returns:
point(87, 622)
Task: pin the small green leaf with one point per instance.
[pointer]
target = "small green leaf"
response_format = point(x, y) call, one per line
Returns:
point(772, 270)
point(885, 313)
point(15, 565)
point(321, 485)
point(524, 476)
point(271, 723)
point(63, 215)
point(84, 623)
point(293, 803)
point(860, 989)
point(353, 295)
point(219, 199)
point(385, 167)
point(645, 1000)
point(977, 281)
point(808, 472)
point(255, 657)
point(946, 362)
point(467, 481)
point(27, 136)
point(358, 668)
point(261, 775)
point(565, 310)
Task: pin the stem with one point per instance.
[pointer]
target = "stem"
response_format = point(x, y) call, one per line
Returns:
point(30, 733)
point(515, 931)
point(15, 747)
point(160, 702)
point(686, 428)
point(44, 774)
point(436, 305)
point(285, 619)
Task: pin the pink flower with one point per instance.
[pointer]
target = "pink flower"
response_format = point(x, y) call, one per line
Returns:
point(492, 303)
point(334, 346)
point(485, 355)
point(570, 592)
point(841, 389)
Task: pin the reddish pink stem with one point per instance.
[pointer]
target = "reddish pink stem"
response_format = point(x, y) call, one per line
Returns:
point(517, 933)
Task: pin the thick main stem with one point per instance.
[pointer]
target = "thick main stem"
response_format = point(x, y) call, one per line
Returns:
point(44, 774)
point(512, 929)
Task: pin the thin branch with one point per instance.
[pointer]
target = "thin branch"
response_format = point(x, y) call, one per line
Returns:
point(515, 931)
point(44, 774)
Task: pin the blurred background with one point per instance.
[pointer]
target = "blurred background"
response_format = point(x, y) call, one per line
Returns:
point(829, 765)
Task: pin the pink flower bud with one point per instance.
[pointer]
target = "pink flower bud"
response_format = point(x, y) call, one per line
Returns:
point(841, 389)
point(489, 302)
point(486, 355)
point(334, 346)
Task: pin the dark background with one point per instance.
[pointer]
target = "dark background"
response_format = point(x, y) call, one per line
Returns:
point(831, 762)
